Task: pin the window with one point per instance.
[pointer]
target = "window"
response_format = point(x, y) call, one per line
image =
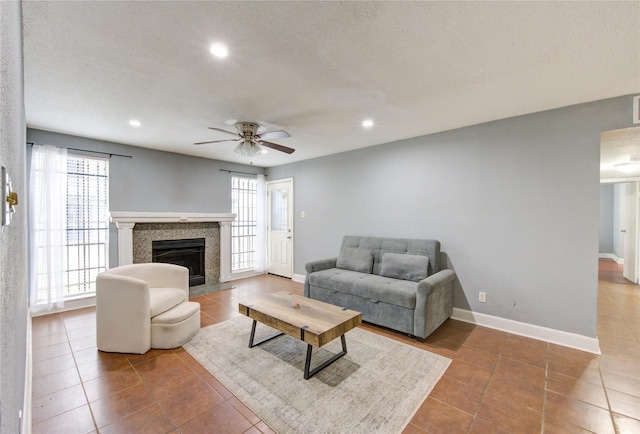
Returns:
point(243, 230)
point(87, 223)
point(81, 195)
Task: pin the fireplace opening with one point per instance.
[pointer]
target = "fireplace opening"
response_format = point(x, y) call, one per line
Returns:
point(188, 253)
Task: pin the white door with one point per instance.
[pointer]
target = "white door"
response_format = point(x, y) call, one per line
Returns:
point(280, 227)
point(628, 229)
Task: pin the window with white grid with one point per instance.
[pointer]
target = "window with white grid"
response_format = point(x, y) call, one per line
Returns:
point(87, 223)
point(243, 230)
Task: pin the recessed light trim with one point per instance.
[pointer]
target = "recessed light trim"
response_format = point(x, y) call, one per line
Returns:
point(219, 50)
point(135, 123)
point(367, 123)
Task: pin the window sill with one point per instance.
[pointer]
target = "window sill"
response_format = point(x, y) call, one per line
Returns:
point(78, 302)
point(244, 274)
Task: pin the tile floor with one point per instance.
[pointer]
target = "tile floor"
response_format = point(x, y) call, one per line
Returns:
point(497, 382)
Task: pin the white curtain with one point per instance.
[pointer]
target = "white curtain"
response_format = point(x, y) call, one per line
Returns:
point(261, 225)
point(48, 224)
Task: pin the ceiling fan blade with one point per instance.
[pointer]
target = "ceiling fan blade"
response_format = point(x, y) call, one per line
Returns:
point(216, 141)
point(223, 131)
point(277, 147)
point(274, 135)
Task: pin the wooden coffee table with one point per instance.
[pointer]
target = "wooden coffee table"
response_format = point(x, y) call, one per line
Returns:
point(312, 321)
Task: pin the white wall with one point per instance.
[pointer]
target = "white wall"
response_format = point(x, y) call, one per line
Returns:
point(13, 250)
point(514, 202)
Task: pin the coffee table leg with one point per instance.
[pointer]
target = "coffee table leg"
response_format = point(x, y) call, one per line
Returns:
point(310, 373)
point(253, 333)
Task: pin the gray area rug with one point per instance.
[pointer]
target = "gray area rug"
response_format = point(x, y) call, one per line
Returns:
point(376, 388)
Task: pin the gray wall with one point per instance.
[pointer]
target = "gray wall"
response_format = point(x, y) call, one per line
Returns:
point(154, 180)
point(13, 250)
point(606, 218)
point(514, 202)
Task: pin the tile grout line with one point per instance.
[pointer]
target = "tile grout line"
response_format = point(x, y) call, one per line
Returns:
point(75, 362)
point(486, 387)
point(544, 397)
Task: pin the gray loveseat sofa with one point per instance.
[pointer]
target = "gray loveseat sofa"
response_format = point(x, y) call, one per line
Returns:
point(395, 283)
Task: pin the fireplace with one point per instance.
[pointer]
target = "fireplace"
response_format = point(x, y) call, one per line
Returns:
point(188, 253)
point(137, 230)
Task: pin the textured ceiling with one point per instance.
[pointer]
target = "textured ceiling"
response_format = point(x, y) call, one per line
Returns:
point(316, 69)
point(616, 147)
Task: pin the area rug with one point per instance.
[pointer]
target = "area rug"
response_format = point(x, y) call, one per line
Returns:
point(376, 388)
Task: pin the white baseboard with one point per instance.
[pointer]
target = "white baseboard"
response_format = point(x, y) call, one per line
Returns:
point(611, 256)
point(72, 304)
point(243, 275)
point(298, 278)
point(571, 340)
point(25, 422)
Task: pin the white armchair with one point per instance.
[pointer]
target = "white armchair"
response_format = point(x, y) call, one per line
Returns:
point(143, 306)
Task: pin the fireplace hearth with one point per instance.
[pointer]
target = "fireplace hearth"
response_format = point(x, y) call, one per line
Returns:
point(187, 252)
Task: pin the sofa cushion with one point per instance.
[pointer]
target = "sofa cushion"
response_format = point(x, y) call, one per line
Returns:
point(360, 260)
point(369, 286)
point(163, 299)
point(387, 290)
point(404, 266)
point(178, 313)
point(335, 279)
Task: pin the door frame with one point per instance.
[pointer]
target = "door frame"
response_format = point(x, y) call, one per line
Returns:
point(291, 218)
point(628, 230)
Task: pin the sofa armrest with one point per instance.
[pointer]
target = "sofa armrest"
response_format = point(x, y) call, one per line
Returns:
point(436, 280)
point(322, 264)
point(319, 265)
point(434, 302)
point(123, 314)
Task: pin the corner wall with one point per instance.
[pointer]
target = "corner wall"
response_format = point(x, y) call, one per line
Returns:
point(515, 204)
point(13, 247)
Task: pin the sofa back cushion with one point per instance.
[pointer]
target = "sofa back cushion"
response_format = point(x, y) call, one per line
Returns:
point(404, 266)
point(379, 246)
point(355, 260)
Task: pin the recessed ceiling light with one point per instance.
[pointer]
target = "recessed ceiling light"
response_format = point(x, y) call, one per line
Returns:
point(219, 50)
point(134, 123)
point(367, 123)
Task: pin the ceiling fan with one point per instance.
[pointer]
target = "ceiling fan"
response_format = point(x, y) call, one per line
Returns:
point(250, 140)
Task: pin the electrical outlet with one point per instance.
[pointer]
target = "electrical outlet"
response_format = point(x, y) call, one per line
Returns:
point(482, 297)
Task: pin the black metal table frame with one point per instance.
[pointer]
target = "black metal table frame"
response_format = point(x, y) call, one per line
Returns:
point(308, 373)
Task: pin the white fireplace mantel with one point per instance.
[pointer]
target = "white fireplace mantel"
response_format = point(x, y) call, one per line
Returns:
point(126, 220)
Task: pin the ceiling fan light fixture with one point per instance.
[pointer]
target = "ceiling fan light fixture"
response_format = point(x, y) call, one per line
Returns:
point(247, 149)
point(628, 167)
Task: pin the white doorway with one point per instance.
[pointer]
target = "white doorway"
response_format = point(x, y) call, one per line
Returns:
point(629, 230)
point(280, 227)
point(620, 165)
